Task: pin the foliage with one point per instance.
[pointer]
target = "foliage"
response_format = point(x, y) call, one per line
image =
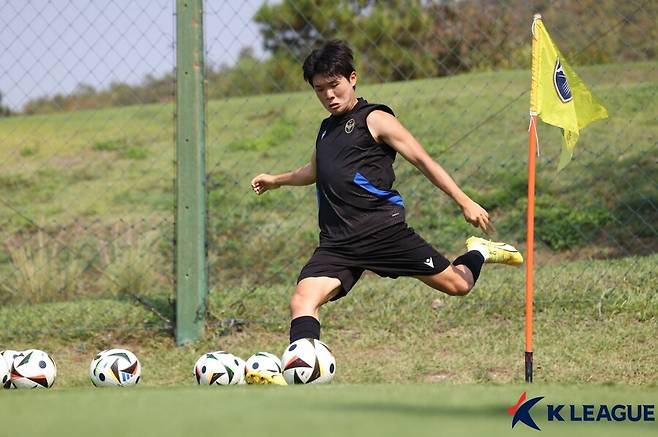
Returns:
point(4, 110)
point(398, 40)
point(36, 270)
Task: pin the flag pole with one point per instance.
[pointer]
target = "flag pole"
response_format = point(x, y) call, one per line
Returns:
point(530, 238)
point(530, 227)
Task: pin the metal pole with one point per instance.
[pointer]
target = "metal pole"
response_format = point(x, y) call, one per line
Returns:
point(191, 264)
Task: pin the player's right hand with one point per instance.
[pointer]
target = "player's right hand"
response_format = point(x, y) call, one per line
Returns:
point(263, 182)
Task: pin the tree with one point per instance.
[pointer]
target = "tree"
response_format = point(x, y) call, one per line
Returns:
point(4, 110)
point(388, 36)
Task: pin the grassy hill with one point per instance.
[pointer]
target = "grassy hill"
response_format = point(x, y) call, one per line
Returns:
point(86, 220)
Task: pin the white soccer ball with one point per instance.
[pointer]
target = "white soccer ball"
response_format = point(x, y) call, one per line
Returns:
point(4, 374)
point(217, 368)
point(9, 355)
point(94, 362)
point(263, 361)
point(241, 369)
point(33, 368)
point(115, 367)
point(308, 361)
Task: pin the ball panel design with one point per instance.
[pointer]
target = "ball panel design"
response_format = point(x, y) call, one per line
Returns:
point(216, 368)
point(308, 361)
point(264, 361)
point(33, 368)
point(115, 367)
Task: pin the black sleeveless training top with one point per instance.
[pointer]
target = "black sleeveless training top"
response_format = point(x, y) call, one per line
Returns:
point(354, 179)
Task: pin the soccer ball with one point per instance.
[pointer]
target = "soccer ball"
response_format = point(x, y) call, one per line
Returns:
point(9, 355)
point(241, 369)
point(217, 368)
point(308, 361)
point(115, 367)
point(4, 374)
point(263, 361)
point(95, 361)
point(33, 368)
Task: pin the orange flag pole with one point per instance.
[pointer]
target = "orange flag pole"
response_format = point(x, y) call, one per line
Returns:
point(530, 238)
point(530, 228)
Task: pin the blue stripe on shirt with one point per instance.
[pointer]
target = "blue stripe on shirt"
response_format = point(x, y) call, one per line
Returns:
point(364, 183)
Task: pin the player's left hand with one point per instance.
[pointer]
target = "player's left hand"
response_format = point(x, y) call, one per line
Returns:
point(478, 217)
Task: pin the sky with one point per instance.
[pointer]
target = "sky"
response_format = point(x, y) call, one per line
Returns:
point(49, 47)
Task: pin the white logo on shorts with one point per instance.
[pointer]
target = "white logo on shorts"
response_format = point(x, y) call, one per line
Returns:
point(428, 262)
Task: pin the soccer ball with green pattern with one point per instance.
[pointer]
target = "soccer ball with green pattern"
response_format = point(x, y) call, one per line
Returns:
point(263, 361)
point(217, 368)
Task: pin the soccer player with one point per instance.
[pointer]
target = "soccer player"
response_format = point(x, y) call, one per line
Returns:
point(361, 217)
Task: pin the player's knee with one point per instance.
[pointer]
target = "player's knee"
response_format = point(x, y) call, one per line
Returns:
point(461, 288)
point(302, 301)
point(457, 284)
point(454, 286)
point(451, 284)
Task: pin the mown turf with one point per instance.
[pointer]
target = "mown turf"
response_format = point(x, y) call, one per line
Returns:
point(333, 410)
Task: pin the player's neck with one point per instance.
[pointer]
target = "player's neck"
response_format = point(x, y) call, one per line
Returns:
point(350, 107)
point(352, 104)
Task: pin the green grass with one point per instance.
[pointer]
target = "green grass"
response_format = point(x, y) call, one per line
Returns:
point(334, 410)
point(595, 324)
point(96, 188)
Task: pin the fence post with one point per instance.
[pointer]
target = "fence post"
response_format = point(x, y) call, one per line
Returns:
point(191, 264)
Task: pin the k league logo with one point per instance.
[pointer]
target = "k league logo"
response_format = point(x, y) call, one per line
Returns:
point(561, 413)
point(521, 411)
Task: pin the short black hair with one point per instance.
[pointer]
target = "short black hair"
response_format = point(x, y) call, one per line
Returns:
point(333, 58)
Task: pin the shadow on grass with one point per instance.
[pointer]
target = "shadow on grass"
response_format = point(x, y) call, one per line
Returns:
point(420, 410)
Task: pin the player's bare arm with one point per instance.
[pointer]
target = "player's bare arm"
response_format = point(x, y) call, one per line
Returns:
point(384, 127)
point(302, 176)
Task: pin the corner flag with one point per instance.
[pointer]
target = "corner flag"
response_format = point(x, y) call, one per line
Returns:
point(557, 94)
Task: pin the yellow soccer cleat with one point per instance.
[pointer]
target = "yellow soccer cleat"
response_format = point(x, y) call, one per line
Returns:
point(499, 253)
point(264, 377)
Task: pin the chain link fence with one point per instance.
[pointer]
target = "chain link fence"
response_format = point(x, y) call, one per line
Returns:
point(86, 177)
point(87, 164)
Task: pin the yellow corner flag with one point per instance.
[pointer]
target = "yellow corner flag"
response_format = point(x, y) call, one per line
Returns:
point(557, 94)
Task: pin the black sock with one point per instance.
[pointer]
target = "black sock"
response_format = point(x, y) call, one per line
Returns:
point(473, 260)
point(304, 327)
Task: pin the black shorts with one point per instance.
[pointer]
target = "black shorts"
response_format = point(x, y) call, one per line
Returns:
point(391, 252)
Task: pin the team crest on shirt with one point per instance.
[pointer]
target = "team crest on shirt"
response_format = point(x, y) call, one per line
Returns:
point(349, 126)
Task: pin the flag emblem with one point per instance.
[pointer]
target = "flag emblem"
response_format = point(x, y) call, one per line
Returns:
point(561, 83)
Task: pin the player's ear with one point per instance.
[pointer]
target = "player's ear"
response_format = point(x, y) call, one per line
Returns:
point(352, 79)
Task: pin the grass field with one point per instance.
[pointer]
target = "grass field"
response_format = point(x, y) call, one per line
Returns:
point(595, 324)
point(86, 221)
point(334, 410)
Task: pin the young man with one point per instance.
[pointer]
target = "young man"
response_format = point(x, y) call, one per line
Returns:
point(362, 219)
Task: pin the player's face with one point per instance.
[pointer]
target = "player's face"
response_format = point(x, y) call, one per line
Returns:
point(336, 93)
